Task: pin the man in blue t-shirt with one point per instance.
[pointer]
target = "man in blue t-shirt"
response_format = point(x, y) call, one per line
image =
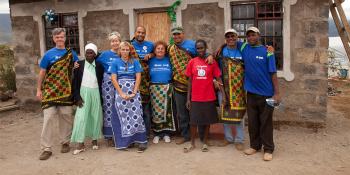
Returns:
point(65, 113)
point(144, 50)
point(260, 82)
point(181, 97)
point(230, 51)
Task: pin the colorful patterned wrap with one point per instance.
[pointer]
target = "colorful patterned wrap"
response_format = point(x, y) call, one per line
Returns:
point(162, 112)
point(179, 59)
point(232, 77)
point(57, 85)
point(145, 79)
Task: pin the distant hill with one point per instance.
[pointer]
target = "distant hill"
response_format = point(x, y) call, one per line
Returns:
point(5, 28)
point(333, 32)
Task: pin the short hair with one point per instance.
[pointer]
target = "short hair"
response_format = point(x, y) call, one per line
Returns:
point(114, 35)
point(144, 28)
point(57, 31)
point(163, 43)
point(202, 41)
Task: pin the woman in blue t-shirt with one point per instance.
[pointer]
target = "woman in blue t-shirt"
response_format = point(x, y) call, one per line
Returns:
point(126, 76)
point(160, 71)
point(106, 58)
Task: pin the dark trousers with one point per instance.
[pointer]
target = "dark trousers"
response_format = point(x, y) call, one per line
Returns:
point(182, 114)
point(260, 123)
point(184, 117)
point(146, 109)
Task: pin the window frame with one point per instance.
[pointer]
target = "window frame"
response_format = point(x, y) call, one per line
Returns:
point(72, 32)
point(264, 38)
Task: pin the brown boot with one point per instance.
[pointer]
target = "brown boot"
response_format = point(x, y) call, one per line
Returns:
point(224, 143)
point(45, 155)
point(239, 146)
point(182, 141)
point(250, 151)
point(65, 148)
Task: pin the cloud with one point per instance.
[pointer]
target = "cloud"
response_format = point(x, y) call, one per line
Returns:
point(4, 6)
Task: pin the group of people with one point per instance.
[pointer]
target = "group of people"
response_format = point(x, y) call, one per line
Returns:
point(138, 87)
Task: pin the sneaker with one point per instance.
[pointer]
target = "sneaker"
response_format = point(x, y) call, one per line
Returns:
point(94, 147)
point(77, 151)
point(65, 148)
point(45, 155)
point(167, 139)
point(224, 143)
point(249, 151)
point(267, 156)
point(156, 139)
point(239, 146)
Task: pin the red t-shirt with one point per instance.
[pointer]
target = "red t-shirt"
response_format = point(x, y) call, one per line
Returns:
point(202, 75)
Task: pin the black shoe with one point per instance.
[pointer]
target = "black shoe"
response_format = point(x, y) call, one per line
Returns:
point(45, 155)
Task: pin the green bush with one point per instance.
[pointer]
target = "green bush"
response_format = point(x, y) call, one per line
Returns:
point(7, 73)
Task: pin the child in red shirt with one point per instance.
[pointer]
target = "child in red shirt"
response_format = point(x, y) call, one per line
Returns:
point(201, 94)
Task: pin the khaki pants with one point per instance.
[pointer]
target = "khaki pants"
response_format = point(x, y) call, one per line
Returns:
point(65, 124)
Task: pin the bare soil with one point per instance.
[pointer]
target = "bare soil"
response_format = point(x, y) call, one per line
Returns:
point(298, 151)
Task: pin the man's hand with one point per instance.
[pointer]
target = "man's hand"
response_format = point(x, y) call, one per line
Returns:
point(76, 65)
point(188, 104)
point(39, 94)
point(209, 59)
point(270, 49)
point(148, 56)
point(277, 98)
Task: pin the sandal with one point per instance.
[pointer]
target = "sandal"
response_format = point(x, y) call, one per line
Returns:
point(205, 148)
point(188, 148)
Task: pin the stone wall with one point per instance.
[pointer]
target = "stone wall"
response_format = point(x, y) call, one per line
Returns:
point(26, 53)
point(305, 98)
point(204, 21)
point(98, 24)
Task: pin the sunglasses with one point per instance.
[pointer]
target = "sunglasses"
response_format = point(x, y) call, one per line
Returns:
point(230, 36)
point(126, 66)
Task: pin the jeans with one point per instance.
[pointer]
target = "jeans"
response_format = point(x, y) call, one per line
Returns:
point(228, 129)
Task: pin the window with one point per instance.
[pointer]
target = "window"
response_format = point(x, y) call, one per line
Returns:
point(267, 15)
point(69, 21)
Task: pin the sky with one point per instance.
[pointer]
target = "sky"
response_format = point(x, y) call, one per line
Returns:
point(4, 7)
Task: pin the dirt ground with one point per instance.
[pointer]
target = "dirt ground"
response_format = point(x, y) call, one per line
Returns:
point(298, 151)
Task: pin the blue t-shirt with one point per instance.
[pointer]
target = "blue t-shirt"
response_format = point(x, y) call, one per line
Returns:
point(142, 49)
point(126, 70)
point(232, 53)
point(259, 66)
point(106, 58)
point(52, 55)
point(160, 70)
point(189, 46)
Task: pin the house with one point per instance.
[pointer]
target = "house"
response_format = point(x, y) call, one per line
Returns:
point(298, 29)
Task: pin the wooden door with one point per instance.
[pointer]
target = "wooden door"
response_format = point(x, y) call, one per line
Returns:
point(157, 25)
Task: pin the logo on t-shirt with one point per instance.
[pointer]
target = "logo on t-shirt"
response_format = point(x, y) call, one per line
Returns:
point(259, 57)
point(201, 72)
point(144, 48)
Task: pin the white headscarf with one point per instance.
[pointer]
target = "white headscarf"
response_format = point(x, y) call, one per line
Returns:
point(92, 47)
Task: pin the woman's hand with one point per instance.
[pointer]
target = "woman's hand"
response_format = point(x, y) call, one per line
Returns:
point(124, 96)
point(80, 103)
